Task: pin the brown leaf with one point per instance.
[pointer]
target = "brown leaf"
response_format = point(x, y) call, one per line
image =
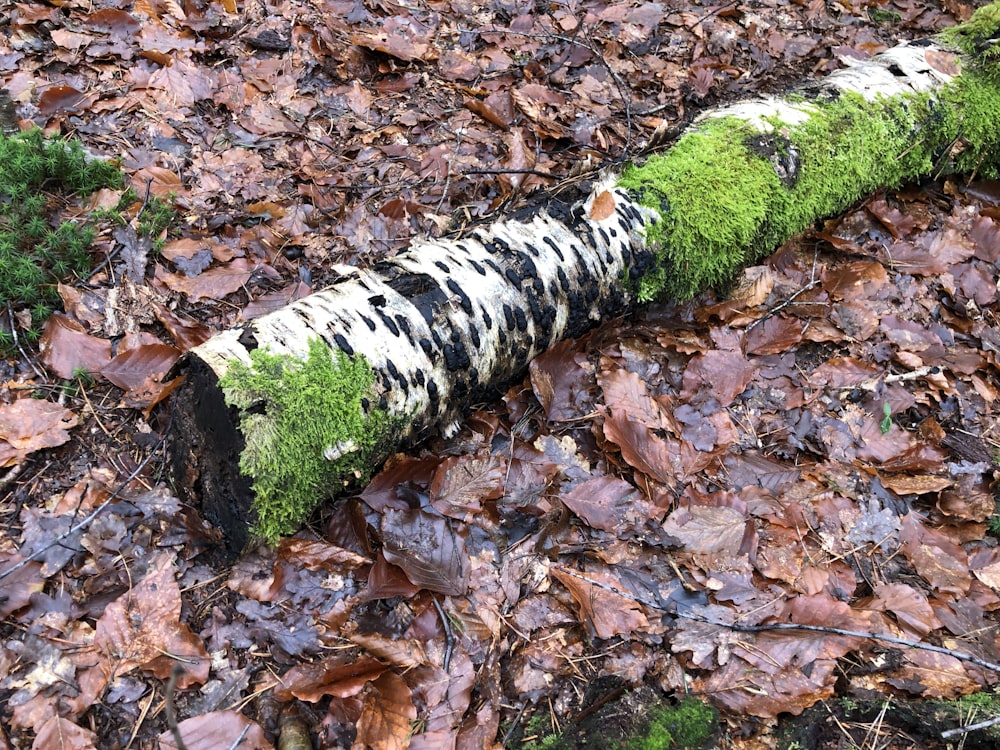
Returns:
point(644, 450)
point(132, 369)
point(142, 626)
point(387, 715)
point(62, 734)
point(428, 549)
point(215, 283)
point(606, 612)
point(61, 99)
point(462, 483)
point(29, 425)
point(603, 206)
point(611, 504)
point(561, 381)
point(341, 676)
point(915, 484)
point(17, 587)
point(707, 529)
point(218, 729)
point(912, 610)
point(718, 375)
point(66, 347)
point(938, 560)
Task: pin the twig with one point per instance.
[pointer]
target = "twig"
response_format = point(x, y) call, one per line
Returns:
point(449, 635)
point(948, 734)
point(170, 709)
point(536, 172)
point(238, 740)
point(850, 633)
point(812, 284)
point(77, 526)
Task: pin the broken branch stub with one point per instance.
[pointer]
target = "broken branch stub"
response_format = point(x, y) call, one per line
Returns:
point(280, 413)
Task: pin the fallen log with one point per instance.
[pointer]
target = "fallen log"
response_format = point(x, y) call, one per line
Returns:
point(276, 415)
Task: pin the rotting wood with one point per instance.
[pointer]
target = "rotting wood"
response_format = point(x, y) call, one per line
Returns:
point(447, 322)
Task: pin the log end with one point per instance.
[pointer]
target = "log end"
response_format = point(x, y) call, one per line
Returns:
point(204, 451)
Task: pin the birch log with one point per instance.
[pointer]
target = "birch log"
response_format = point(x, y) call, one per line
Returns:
point(280, 413)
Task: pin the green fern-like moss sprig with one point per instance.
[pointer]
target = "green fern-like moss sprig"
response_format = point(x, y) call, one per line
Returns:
point(37, 251)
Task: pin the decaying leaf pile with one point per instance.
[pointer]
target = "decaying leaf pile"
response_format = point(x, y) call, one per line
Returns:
point(815, 448)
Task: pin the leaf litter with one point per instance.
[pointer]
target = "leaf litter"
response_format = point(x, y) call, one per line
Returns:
point(817, 448)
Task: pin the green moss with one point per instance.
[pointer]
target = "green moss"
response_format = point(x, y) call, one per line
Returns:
point(723, 205)
point(36, 250)
point(885, 17)
point(305, 430)
point(687, 726)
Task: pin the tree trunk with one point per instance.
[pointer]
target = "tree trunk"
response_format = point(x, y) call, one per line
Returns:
point(280, 413)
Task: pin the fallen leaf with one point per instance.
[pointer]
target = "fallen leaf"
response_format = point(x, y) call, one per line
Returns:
point(142, 630)
point(218, 729)
point(66, 348)
point(606, 612)
point(341, 676)
point(429, 549)
point(29, 425)
point(387, 715)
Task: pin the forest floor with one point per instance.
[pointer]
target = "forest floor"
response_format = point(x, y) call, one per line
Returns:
point(816, 447)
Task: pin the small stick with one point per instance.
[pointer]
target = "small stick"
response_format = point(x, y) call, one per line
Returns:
point(449, 635)
point(77, 526)
point(783, 305)
point(851, 633)
point(171, 709)
point(948, 734)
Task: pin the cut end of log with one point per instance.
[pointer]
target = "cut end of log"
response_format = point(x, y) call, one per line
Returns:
point(205, 452)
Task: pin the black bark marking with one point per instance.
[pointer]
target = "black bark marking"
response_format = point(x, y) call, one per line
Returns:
point(388, 322)
point(479, 268)
point(563, 280)
point(463, 298)
point(532, 249)
point(520, 320)
point(555, 248)
point(429, 350)
point(377, 300)
point(368, 321)
point(474, 335)
point(508, 316)
point(344, 346)
point(487, 318)
point(420, 289)
point(443, 266)
point(513, 277)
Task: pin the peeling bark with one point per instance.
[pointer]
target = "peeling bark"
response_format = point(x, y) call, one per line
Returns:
point(449, 321)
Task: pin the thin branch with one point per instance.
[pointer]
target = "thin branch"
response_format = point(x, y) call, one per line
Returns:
point(993, 667)
point(811, 285)
point(170, 709)
point(948, 734)
point(449, 635)
point(81, 524)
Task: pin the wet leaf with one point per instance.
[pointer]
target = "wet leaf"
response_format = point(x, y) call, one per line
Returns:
point(429, 550)
point(67, 348)
point(604, 610)
point(461, 484)
point(218, 729)
point(30, 425)
point(386, 715)
point(140, 367)
point(142, 630)
point(341, 676)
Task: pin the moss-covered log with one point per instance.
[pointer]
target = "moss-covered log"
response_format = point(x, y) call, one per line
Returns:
point(280, 413)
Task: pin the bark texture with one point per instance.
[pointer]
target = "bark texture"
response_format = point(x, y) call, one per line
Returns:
point(448, 321)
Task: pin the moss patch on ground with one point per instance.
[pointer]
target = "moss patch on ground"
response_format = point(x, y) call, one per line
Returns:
point(306, 430)
point(36, 251)
point(640, 720)
point(723, 203)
